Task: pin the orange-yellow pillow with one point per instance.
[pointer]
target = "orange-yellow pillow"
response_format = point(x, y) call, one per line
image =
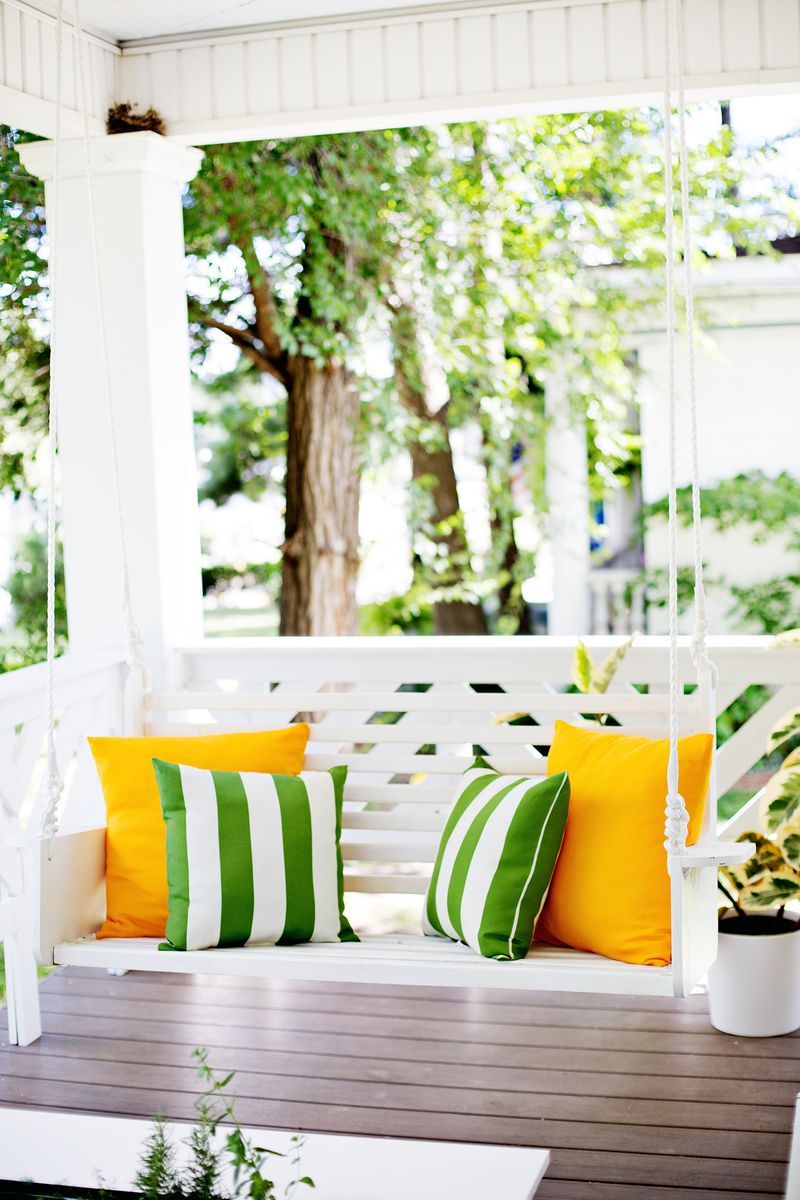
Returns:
point(136, 857)
point(610, 889)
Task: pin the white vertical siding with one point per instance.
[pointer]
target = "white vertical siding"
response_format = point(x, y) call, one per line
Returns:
point(28, 69)
point(549, 48)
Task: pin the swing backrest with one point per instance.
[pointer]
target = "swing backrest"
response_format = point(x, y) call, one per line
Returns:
point(407, 719)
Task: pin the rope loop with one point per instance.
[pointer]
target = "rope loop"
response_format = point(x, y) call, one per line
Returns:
point(677, 824)
point(134, 642)
point(53, 791)
point(699, 644)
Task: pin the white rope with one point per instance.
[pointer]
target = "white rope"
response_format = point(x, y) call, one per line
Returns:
point(133, 636)
point(54, 785)
point(700, 655)
point(677, 817)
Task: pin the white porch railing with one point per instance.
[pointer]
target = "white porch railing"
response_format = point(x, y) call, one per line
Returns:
point(88, 694)
point(618, 600)
point(89, 700)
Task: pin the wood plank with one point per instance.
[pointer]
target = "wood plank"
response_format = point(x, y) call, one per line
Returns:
point(433, 701)
point(569, 1075)
point(435, 1008)
point(697, 1178)
point(541, 1052)
point(330, 68)
point(512, 70)
point(438, 58)
point(586, 1036)
point(367, 73)
point(554, 1105)
point(403, 62)
point(696, 1155)
point(572, 1189)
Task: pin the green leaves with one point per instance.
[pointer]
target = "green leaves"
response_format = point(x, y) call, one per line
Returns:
point(784, 802)
point(582, 668)
point(776, 889)
point(588, 678)
point(786, 728)
point(611, 665)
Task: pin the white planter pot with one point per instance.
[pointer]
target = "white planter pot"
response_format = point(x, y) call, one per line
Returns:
point(754, 986)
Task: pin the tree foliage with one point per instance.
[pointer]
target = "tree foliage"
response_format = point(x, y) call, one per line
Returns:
point(471, 261)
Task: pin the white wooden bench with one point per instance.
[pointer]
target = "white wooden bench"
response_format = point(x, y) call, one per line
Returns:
point(402, 771)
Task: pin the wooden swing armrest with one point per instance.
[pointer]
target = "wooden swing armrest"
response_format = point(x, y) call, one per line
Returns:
point(708, 853)
point(68, 891)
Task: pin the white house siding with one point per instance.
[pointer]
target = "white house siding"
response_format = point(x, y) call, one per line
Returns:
point(749, 415)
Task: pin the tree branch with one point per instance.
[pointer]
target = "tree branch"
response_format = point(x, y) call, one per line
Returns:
point(246, 341)
point(264, 302)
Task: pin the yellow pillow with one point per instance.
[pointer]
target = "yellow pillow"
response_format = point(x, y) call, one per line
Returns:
point(610, 889)
point(136, 856)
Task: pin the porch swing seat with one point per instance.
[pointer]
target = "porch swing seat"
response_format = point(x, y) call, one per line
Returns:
point(395, 804)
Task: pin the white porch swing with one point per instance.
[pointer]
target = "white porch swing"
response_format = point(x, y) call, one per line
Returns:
point(389, 823)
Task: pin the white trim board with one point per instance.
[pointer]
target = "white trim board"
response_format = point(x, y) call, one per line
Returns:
point(83, 1149)
point(442, 62)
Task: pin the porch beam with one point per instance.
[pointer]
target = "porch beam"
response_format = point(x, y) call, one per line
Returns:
point(454, 62)
point(139, 179)
point(444, 62)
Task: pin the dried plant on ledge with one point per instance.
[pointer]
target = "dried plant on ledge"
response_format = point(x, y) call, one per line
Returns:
point(123, 118)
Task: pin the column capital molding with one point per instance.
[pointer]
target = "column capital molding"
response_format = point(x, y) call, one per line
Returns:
point(142, 152)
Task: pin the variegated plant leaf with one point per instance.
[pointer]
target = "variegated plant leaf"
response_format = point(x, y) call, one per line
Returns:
point(504, 718)
point(782, 797)
point(610, 665)
point(790, 845)
point(767, 858)
point(789, 637)
point(791, 760)
point(787, 727)
point(582, 668)
point(776, 889)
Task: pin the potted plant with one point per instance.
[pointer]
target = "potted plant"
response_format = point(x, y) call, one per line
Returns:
point(754, 986)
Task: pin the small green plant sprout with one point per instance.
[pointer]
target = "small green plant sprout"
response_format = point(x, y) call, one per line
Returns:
point(590, 679)
point(587, 678)
point(768, 879)
point(160, 1177)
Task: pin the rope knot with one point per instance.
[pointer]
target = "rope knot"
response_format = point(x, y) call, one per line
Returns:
point(134, 642)
point(677, 824)
point(53, 791)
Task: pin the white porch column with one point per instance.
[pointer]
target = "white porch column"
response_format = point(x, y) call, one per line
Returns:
point(138, 186)
point(567, 485)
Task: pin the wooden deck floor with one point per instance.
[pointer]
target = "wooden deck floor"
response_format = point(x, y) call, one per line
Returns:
point(635, 1098)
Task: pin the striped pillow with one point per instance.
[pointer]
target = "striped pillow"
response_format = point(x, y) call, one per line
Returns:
point(252, 858)
point(495, 860)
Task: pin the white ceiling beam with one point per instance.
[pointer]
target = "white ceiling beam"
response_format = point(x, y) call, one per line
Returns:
point(450, 62)
point(457, 63)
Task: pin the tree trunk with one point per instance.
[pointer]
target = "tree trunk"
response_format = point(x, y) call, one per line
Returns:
point(432, 469)
point(320, 553)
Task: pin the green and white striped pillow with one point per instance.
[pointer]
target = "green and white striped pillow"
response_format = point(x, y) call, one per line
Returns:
point(252, 858)
point(495, 860)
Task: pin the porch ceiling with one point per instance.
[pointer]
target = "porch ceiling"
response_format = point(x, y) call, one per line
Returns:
point(121, 21)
